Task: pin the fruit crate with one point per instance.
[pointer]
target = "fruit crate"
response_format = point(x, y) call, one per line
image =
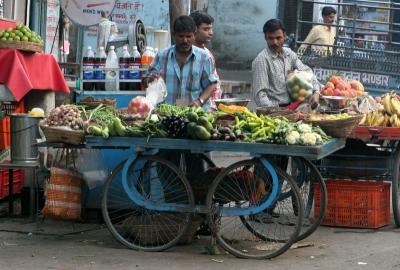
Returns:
point(9, 107)
point(356, 204)
point(18, 175)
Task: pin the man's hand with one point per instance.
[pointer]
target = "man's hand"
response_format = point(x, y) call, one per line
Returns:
point(314, 100)
point(147, 80)
point(195, 103)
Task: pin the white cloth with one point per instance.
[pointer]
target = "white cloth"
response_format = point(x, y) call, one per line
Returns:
point(105, 30)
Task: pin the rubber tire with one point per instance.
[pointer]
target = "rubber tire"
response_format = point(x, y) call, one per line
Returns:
point(109, 224)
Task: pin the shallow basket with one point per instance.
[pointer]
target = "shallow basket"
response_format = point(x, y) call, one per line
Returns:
point(21, 45)
point(340, 128)
point(62, 135)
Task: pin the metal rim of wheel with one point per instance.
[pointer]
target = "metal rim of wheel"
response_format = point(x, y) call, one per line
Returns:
point(229, 190)
point(396, 188)
point(311, 220)
point(143, 229)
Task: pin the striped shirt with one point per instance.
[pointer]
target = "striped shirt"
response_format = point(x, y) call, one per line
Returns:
point(186, 83)
point(270, 72)
point(217, 94)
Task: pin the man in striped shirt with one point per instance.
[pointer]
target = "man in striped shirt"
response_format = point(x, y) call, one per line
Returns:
point(204, 34)
point(187, 70)
point(272, 66)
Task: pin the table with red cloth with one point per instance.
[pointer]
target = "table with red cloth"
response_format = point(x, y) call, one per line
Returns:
point(22, 72)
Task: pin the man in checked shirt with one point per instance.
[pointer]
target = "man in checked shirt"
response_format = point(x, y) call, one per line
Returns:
point(187, 70)
point(272, 66)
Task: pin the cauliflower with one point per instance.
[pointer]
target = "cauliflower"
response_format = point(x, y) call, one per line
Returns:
point(293, 137)
point(319, 138)
point(305, 128)
point(308, 138)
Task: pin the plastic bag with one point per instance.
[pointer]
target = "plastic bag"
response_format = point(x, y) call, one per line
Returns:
point(300, 85)
point(156, 92)
point(91, 164)
point(140, 107)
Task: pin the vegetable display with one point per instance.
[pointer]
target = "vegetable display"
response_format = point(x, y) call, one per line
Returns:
point(167, 121)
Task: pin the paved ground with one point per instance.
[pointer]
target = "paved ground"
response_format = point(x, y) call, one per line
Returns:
point(62, 245)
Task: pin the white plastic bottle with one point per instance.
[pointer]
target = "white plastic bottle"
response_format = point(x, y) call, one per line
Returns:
point(111, 75)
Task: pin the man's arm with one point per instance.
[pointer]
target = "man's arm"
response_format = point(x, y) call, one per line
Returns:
point(311, 37)
point(260, 83)
point(153, 72)
point(208, 83)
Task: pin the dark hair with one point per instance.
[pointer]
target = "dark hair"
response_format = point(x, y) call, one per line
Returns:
point(200, 17)
point(273, 25)
point(184, 24)
point(328, 11)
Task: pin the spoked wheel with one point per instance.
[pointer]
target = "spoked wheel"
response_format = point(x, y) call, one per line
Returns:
point(237, 218)
point(395, 187)
point(308, 179)
point(159, 182)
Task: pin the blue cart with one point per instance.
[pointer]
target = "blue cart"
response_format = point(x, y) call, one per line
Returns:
point(254, 208)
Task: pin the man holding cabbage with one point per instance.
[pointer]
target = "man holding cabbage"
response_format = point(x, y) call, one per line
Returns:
point(272, 68)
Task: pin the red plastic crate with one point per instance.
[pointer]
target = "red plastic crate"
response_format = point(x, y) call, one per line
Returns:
point(358, 204)
point(18, 175)
point(9, 107)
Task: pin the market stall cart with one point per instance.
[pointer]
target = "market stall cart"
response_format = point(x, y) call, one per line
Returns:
point(253, 207)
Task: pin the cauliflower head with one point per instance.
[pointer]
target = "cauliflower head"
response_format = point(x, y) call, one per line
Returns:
point(308, 138)
point(293, 137)
point(305, 128)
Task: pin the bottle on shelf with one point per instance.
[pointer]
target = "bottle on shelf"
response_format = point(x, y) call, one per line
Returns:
point(147, 57)
point(124, 64)
point(111, 75)
point(100, 74)
point(88, 64)
point(134, 69)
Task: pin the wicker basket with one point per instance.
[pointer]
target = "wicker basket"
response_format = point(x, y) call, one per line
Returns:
point(94, 102)
point(278, 112)
point(21, 45)
point(340, 128)
point(63, 135)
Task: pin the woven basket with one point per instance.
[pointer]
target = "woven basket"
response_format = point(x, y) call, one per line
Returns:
point(278, 112)
point(21, 45)
point(93, 103)
point(63, 135)
point(340, 128)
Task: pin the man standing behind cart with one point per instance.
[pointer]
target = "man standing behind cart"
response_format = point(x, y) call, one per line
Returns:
point(187, 70)
point(322, 36)
point(204, 34)
point(272, 66)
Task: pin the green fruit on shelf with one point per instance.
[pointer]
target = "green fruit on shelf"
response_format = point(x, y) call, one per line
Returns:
point(24, 38)
point(6, 34)
point(18, 38)
point(3, 38)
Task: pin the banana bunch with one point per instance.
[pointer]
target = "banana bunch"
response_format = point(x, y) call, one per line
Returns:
point(387, 113)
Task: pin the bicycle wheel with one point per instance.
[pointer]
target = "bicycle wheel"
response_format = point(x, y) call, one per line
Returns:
point(242, 188)
point(308, 179)
point(158, 182)
point(395, 187)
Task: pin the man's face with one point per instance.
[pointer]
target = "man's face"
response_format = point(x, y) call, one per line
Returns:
point(275, 40)
point(184, 41)
point(204, 33)
point(329, 19)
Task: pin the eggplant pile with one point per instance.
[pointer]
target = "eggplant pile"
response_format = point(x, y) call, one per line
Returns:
point(175, 126)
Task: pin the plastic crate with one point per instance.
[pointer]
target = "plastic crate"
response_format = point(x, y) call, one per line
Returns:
point(357, 204)
point(18, 175)
point(9, 107)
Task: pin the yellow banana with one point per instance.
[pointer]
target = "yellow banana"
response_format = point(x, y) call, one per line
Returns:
point(395, 121)
point(387, 104)
point(363, 121)
point(395, 105)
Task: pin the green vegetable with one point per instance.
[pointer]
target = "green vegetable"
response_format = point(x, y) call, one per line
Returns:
point(204, 122)
point(192, 117)
point(104, 133)
point(119, 128)
point(191, 130)
point(94, 130)
point(111, 129)
point(201, 133)
point(135, 132)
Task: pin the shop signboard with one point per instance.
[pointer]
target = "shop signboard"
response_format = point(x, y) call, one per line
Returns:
point(86, 12)
point(52, 31)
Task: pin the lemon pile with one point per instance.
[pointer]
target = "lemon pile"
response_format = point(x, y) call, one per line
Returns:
point(20, 33)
